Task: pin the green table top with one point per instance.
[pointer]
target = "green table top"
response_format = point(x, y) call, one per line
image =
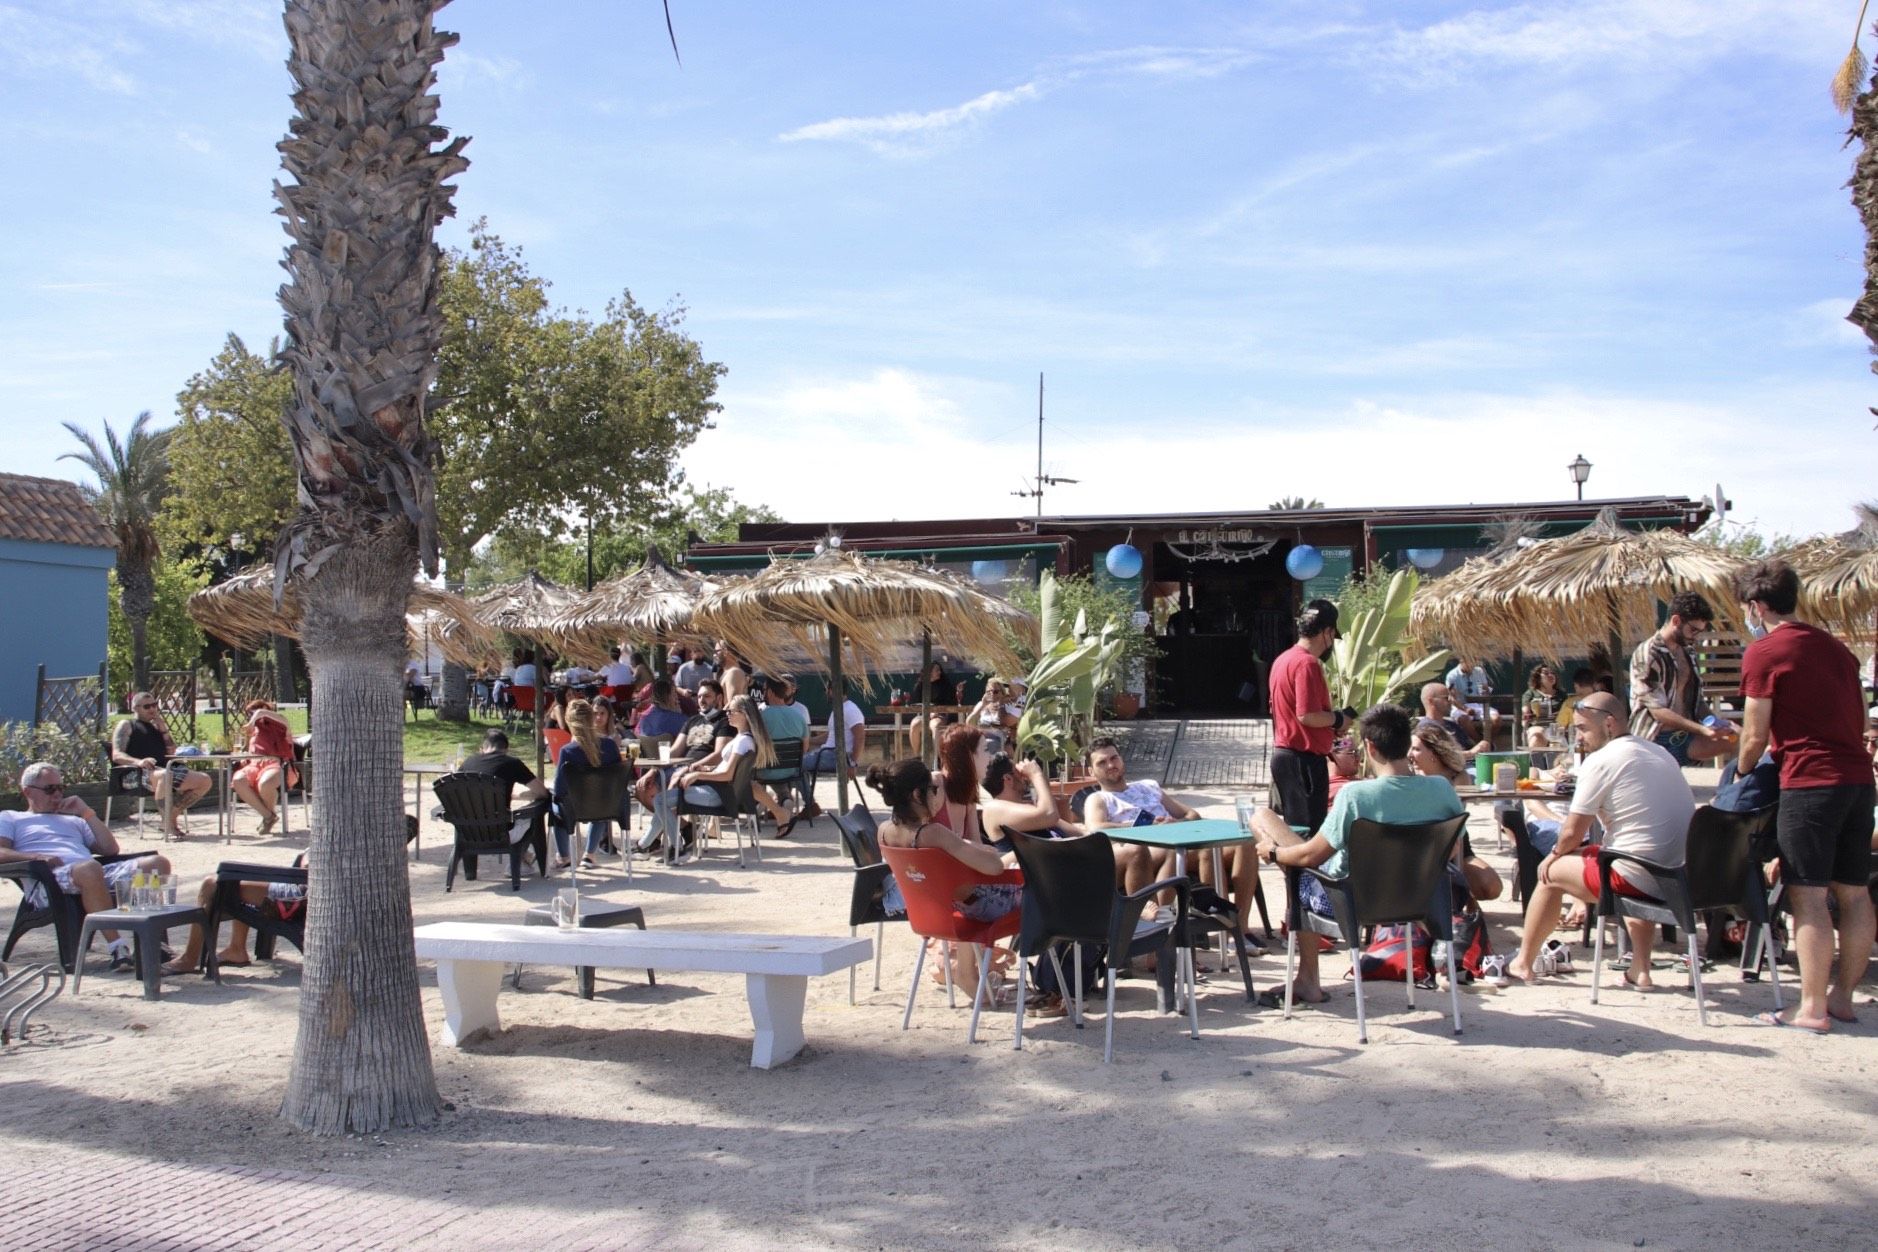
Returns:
point(1204, 832)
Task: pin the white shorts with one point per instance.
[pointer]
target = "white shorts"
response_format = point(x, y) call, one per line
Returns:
point(116, 875)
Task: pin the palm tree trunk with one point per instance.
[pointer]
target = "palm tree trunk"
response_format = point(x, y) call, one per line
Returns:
point(286, 690)
point(362, 1059)
point(363, 332)
point(1864, 186)
point(453, 705)
point(137, 597)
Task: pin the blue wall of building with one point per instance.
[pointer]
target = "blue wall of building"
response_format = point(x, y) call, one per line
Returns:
point(52, 613)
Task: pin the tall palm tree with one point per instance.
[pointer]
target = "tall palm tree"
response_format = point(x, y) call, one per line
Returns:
point(1293, 504)
point(366, 193)
point(133, 477)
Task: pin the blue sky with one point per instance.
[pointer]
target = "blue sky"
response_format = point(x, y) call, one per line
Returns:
point(1373, 253)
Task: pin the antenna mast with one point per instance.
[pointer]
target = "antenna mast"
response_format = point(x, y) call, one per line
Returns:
point(1042, 480)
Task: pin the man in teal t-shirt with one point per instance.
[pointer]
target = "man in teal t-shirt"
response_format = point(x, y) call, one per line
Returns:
point(1397, 796)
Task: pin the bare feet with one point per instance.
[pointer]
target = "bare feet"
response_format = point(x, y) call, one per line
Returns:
point(1641, 982)
point(267, 823)
point(1312, 994)
point(237, 956)
point(180, 966)
point(1839, 1008)
point(1518, 971)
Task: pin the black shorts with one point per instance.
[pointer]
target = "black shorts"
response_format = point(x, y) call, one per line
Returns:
point(1301, 787)
point(1825, 835)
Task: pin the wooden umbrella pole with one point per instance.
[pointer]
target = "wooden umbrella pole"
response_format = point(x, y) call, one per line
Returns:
point(838, 723)
point(1519, 702)
point(929, 741)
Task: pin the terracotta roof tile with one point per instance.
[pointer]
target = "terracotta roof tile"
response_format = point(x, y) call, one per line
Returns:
point(50, 510)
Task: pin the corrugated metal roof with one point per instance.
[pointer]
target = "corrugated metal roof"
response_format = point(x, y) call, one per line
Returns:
point(50, 510)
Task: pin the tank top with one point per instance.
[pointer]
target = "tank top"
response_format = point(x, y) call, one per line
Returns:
point(144, 741)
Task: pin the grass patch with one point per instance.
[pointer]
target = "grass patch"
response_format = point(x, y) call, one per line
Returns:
point(427, 741)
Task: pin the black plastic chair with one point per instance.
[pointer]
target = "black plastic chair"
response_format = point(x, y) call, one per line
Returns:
point(62, 911)
point(870, 885)
point(267, 920)
point(1077, 801)
point(596, 795)
point(1070, 897)
point(1397, 875)
point(1526, 858)
point(790, 778)
point(1720, 872)
point(125, 782)
point(735, 802)
point(477, 808)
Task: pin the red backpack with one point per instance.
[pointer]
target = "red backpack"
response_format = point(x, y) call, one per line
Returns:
point(1392, 947)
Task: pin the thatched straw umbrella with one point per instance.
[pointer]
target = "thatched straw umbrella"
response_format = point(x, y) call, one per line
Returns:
point(652, 604)
point(241, 611)
point(1602, 583)
point(1839, 580)
point(867, 603)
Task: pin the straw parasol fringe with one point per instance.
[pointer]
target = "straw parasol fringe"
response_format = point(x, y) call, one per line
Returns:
point(242, 611)
point(652, 604)
point(1850, 80)
point(1557, 595)
point(522, 608)
point(875, 604)
point(1839, 577)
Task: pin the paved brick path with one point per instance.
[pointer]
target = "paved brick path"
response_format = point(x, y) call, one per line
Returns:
point(91, 1201)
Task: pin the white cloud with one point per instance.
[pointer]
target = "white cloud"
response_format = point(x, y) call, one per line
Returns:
point(1823, 323)
point(194, 142)
point(56, 47)
point(1672, 33)
point(894, 133)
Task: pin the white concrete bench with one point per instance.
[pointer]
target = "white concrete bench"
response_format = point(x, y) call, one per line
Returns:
point(471, 958)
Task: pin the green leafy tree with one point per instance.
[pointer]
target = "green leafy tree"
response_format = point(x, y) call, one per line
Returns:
point(132, 476)
point(231, 464)
point(711, 514)
point(546, 422)
point(173, 640)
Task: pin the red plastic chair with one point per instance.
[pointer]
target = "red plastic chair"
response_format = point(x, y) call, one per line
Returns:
point(521, 705)
point(930, 880)
point(556, 740)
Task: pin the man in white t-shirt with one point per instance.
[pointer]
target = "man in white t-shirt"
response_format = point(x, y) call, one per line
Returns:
point(1116, 803)
point(693, 671)
point(1636, 791)
point(525, 672)
point(822, 759)
point(66, 834)
point(618, 673)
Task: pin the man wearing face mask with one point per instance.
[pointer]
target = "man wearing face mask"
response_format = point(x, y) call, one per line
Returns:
point(1304, 724)
point(1665, 691)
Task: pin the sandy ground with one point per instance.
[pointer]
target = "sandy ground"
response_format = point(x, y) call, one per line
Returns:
point(1550, 1123)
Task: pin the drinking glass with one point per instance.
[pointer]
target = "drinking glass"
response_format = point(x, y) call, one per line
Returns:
point(566, 908)
point(665, 754)
point(1244, 808)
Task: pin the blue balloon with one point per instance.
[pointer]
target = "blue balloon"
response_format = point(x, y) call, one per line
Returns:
point(1426, 558)
point(991, 571)
point(1304, 562)
point(1124, 560)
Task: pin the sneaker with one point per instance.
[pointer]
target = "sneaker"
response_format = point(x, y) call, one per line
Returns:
point(122, 962)
point(1560, 954)
point(1493, 970)
point(647, 840)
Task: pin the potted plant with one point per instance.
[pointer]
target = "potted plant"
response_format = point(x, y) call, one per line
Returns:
point(1073, 665)
point(1370, 664)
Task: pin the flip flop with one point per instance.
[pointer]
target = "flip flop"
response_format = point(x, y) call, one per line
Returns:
point(783, 831)
point(1774, 1019)
point(1632, 984)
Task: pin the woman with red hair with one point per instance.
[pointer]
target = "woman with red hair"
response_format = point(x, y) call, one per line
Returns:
point(963, 758)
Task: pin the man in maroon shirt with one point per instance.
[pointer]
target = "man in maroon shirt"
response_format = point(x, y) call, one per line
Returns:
point(1304, 724)
point(1804, 703)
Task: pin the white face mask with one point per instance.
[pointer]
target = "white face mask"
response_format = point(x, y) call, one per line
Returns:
point(1756, 627)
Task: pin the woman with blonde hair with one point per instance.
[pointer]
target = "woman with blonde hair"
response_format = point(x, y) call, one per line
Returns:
point(708, 780)
point(589, 749)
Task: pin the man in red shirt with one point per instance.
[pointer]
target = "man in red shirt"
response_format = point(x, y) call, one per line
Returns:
point(1804, 703)
point(1303, 722)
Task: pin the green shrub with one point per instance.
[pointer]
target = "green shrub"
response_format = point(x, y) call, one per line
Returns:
point(79, 757)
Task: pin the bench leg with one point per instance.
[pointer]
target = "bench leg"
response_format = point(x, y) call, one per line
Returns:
point(469, 998)
point(776, 1002)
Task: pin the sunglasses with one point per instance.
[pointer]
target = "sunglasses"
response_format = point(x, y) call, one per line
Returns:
point(51, 789)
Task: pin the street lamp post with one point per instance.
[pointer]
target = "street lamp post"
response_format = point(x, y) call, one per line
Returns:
point(1581, 470)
